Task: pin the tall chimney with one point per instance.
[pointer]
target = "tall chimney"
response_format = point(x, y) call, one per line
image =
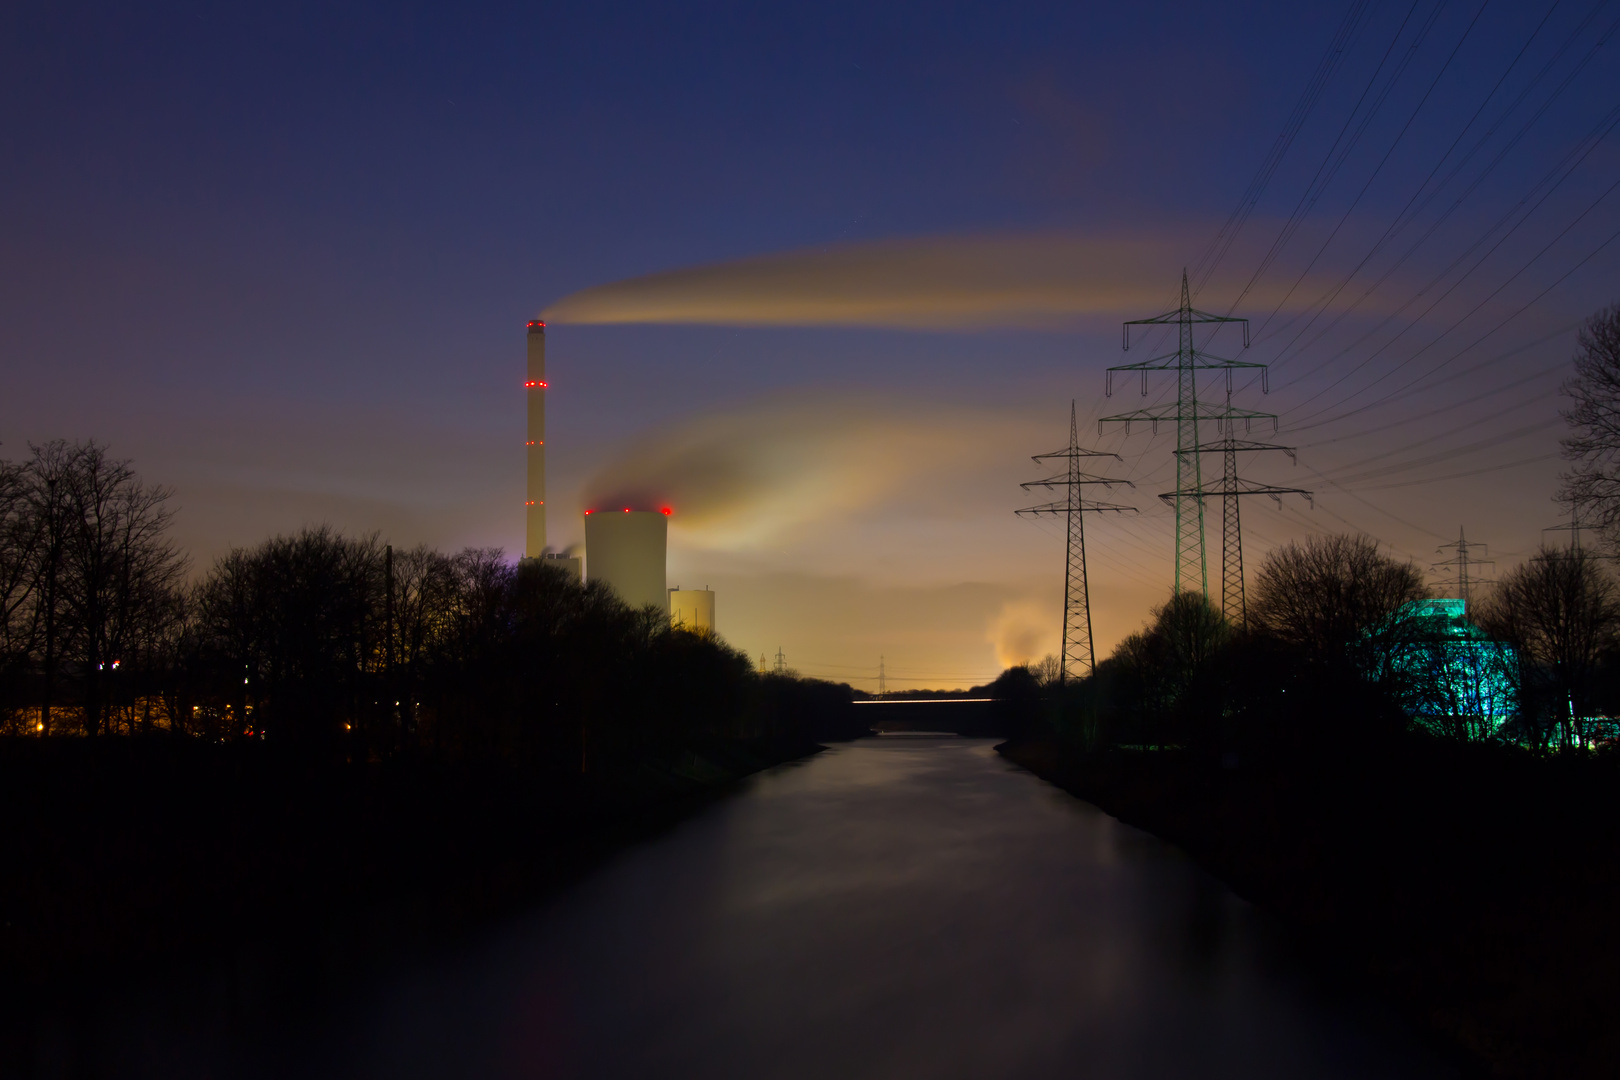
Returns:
point(535, 537)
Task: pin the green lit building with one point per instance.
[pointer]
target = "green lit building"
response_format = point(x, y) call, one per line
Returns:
point(1456, 680)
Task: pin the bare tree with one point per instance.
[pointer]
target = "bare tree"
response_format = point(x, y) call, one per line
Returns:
point(50, 474)
point(1047, 670)
point(19, 537)
point(1593, 483)
point(1338, 599)
point(1562, 612)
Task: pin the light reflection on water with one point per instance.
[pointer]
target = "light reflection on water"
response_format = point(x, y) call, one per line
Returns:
point(889, 908)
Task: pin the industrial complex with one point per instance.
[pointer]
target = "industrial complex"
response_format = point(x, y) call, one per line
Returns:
point(625, 547)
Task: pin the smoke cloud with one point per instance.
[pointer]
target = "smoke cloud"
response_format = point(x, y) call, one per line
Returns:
point(746, 478)
point(954, 283)
point(1022, 632)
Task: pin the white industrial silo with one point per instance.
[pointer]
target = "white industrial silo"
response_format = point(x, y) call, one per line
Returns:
point(692, 609)
point(626, 549)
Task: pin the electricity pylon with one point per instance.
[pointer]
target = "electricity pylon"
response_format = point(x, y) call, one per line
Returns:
point(1573, 528)
point(1234, 602)
point(1079, 657)
point(1192, 569)
point(1461, 563)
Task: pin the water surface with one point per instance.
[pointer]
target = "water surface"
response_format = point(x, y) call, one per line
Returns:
point(889, 908)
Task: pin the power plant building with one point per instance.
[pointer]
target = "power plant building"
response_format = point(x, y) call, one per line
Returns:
point(626, 549)
point(692, 609)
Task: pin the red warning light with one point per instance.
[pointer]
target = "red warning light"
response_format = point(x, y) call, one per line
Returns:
point(667, 511)
point(627, 509)
point(530, 502)
point(536, 322)
point(532, 383)
point(587, 513)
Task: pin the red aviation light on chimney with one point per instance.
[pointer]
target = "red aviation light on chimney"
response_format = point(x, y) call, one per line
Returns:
point(627, 509)
point(536, 324)
point(666, 511)
point(532, 383)
point(587, 513)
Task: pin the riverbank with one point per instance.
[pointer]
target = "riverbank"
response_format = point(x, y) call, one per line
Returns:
point(134, 855)
point(1473, 886)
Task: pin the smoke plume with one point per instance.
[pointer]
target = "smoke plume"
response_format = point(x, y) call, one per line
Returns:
point(1030, 281)
point(742, 479)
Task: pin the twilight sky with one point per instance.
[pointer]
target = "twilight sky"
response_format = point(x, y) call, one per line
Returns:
point(822, 275)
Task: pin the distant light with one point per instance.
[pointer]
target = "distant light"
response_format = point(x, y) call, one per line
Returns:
point(667, 511)
point(536, 322)
point(587, 513)
point(627, 509)
point(40, 726)
point(529, 502)
point(532, 383)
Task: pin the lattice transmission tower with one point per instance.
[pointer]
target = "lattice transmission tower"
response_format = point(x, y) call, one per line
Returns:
point(1232, 488)
point(1461, 564)
point(1187, 413)
point(1079, 657)
point(1574, 528)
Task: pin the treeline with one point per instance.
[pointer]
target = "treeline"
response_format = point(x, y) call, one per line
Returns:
point(1344, 643)
point(340, 647)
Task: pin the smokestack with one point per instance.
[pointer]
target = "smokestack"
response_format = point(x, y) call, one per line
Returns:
point(535, 536)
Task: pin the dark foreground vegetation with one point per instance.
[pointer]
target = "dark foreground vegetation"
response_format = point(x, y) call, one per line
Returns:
point(323, 736)
point(1433, 799)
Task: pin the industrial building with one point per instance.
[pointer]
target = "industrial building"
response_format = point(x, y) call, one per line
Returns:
point(692, 609)
point(626, 549)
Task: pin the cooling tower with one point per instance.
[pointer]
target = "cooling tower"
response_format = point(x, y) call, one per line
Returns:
point(692, 609)
point(534, 540)
point(625, 548)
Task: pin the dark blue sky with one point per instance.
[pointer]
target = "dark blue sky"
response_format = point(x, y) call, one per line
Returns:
point(282, 256)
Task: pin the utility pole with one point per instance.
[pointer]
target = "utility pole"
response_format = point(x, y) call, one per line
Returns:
point(781, 662)
point(1079, 657)
point(1461, 563)
point(883, 678)
point(1192, 567)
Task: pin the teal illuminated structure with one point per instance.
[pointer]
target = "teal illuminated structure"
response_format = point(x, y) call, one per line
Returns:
point(1457, 680)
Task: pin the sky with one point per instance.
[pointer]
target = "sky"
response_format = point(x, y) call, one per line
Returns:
point(823, 276)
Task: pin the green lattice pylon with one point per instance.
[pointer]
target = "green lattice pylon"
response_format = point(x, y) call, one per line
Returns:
point(1192, 565)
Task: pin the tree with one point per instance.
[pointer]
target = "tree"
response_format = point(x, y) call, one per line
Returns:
point(122, 571)
point(19, 537)
point(1336, 599)
point(1593, 483)
point(1561, 610)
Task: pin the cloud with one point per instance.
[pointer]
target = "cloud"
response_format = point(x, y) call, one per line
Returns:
point(744, 478)
point(1035, 281)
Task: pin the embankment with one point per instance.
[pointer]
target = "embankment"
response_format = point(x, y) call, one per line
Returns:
point(134, 855)
point(1474, 886)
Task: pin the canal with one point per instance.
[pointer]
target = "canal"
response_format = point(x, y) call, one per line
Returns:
point(894, 907)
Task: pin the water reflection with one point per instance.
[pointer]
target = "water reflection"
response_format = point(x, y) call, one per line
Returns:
point(890, 908)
